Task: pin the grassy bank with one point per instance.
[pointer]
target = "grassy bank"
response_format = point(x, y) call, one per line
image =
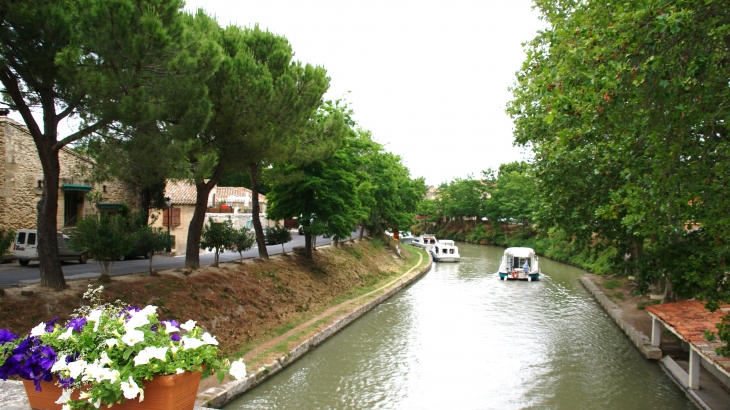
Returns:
point(245, 305)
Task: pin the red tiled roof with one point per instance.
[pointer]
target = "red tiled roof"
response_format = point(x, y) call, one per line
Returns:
point(183, 192)
point(689, 320)
point(226, 191)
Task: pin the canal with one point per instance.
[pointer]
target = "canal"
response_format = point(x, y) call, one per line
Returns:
point(461, 339)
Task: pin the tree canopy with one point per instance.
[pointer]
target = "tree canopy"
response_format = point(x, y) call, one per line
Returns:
point(625, 107)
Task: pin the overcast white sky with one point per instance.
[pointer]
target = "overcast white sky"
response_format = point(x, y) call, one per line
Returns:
point(428, 78)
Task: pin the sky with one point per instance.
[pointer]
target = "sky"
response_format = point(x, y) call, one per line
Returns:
point(429, 78)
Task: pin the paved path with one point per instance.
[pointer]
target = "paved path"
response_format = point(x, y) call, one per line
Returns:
point(12, 274)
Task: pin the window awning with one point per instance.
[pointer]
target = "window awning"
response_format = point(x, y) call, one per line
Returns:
point(75, 187)
point(109, 205)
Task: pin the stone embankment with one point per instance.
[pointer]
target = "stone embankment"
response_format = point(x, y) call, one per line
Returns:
point(642, 341)
point(219, 396)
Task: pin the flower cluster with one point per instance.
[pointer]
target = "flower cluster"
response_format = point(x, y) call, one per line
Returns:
point(105, 352)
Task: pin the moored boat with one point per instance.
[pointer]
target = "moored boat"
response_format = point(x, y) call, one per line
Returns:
point(445, 251)
point(519, 263)
point(425, 241)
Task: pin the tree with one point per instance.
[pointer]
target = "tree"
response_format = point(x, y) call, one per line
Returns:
point(104, 238)
point(150, 240)
point(625, 106)
point(217, 236)
point(102, 61)
point(297, 92)
point(278, 234)
point(243, 240)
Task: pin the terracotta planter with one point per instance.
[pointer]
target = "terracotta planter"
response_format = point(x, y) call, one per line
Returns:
point(175, 392)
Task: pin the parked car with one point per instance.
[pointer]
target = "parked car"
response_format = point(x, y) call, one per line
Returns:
point(26, 248)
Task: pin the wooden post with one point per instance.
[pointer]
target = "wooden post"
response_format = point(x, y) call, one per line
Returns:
point(656, 332)
point(694, 369)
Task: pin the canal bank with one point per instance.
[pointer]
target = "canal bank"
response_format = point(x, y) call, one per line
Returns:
point(673, 357)
point(330, 322)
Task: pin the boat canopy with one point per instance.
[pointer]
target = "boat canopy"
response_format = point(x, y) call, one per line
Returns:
point(520, 252)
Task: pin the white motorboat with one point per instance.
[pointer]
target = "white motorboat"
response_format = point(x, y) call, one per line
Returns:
point(519, 263)
point(425, 241)
point(445, 251)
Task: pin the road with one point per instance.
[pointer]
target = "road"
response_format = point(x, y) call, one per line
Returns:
point(12, 274)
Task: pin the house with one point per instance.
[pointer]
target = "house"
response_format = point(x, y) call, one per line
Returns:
point(182, 197)
point(21, 179)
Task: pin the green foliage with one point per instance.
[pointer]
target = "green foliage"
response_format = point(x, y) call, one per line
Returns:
point(243, 240)
point(217, 236)
point(104, 238)
point(611, 284)
point(7, 238)
point(278, 235)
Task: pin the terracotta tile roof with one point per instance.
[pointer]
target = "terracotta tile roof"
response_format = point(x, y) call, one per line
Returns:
point(689, 320)
point(226, 191)
point(183, 192)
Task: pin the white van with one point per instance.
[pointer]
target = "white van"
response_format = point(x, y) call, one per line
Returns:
point(26, 248)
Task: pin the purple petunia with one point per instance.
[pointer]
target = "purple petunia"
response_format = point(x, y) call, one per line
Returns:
point(31, 360)
point(77, 324)
point(175, 337)
point(7, 336)
point(49, 325)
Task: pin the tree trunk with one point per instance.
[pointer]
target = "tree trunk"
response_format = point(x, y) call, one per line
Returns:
point(362, 230)
point(106, 271)
point(282, 249)
point(260, 240)
point(48, 256)
point(215, 261)
point(152, 272)
point(195, 229)
point(308, 245)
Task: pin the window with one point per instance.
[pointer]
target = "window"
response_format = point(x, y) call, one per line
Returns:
point(40, 183)
point(31, 238)
point(21, 238)
point(103, 188)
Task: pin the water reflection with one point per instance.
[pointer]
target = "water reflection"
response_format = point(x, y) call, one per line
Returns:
point(459, 338)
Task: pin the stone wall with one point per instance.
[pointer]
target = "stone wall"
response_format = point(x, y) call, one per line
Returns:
point(21, 176)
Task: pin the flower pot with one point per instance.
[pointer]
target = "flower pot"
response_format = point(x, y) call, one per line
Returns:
point(174, 392)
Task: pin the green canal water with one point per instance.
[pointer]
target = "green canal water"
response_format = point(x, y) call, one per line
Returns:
point(461, 339)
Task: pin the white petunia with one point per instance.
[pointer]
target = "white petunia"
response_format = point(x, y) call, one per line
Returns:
point(238, 369)
point(174, 349)
point(105, 360)
point(142, 357)
point(65, 335)
point(133, 337)
point(189, 325)
point(170, 328)
point(76, 368)
point(38, 330)
point(111, 342)
point(148, 310)
point(60, 364)
point(136, 320)
point(159, 353)
point(179, 371)
point(130, 390)
point(65, 396)
point(191, 343)
point(94, 316)
point(208, 339)
point(113, 376)
point(65, 407)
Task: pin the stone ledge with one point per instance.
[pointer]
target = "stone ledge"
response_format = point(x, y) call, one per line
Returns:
point(218, 397)
point(640, 340)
